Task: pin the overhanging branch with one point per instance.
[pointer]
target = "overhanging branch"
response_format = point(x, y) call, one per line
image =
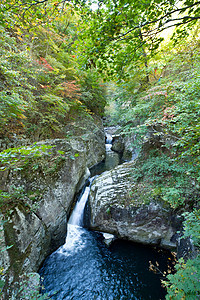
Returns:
point(187, 18)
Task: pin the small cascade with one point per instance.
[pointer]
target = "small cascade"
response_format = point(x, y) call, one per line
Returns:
point(112, 158)
point(108, 142)
point(109, 131)
point(108, 138)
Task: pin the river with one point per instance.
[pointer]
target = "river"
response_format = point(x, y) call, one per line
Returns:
point(85, 268)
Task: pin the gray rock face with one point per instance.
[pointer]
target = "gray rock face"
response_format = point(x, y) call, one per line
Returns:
point(125, 147)
point(130, 151)
point(120, 207)
point(118, 144)
point(36, 233)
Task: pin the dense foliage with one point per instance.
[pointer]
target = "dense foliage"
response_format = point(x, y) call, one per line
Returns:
point(40, 82)
point(118, 36)
point(54, 58)
point(185, 283)
point(41, 89)
point(164, 119)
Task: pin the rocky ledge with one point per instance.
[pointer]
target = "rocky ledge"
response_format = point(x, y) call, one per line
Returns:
point(126, 209)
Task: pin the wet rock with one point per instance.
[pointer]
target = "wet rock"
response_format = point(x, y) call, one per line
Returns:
point(130, 151)
point(118, 144)
point(35, 233)
point(123, 208)
point(108, 238)
point(124, 145)
point(186, 249)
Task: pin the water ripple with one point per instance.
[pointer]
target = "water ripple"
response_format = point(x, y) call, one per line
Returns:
point(95, 271)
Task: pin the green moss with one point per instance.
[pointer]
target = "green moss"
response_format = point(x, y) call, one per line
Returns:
point(16, 257)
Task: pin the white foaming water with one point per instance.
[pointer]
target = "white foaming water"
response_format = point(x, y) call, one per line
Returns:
point(108, 138)
point(85, 268)
point(77, 215)
point(108, 148)
point(73, 241)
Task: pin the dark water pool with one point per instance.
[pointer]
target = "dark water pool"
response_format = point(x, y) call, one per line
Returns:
point(89, 270)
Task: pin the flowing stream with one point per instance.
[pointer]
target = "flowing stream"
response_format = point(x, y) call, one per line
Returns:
point(84, 268)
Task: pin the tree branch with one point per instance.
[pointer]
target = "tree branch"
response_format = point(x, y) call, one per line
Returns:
point(163, 17)
point(153, 33)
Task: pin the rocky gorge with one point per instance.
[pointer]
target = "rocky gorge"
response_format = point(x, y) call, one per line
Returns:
point(126, 207)
point(34, 231)
point(118, 204)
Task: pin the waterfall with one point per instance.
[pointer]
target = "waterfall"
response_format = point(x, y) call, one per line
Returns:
point(77, 214)
point(85, 268)
point(108, 142)
point(74, 241)
point(108, 138)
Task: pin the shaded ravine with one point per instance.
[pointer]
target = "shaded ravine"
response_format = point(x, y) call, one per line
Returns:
point(85, 268)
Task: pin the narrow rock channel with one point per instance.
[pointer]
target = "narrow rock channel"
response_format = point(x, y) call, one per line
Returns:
point(85, 267)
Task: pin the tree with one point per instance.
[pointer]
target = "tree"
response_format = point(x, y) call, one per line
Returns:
point(132, 29)
point(116, 33)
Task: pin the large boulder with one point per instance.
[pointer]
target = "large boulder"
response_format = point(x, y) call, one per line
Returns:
point(125, 147)
point(126, 209)
point(118, 144)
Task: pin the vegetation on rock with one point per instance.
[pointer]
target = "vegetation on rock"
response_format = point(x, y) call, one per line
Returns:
point(163, 117)
point(55, 56)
